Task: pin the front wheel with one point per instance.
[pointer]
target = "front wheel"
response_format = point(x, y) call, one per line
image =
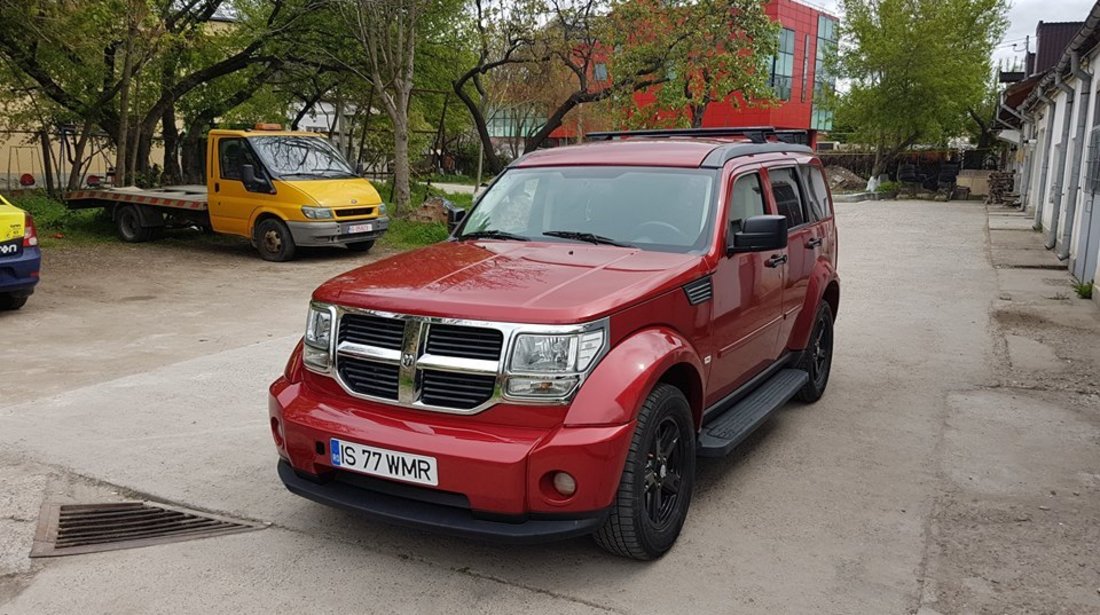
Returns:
point(12, 302)
point(817, 359)
point(655, 489)
point(274, 241)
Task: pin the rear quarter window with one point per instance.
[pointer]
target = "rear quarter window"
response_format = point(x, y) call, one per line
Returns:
point(817, 194)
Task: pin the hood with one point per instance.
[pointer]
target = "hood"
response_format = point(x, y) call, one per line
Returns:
point(535, 282)
point(334, 192)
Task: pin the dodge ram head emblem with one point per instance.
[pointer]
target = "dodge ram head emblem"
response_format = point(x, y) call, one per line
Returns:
point(407, 360)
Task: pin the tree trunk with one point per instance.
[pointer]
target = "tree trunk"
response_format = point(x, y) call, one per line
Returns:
point(401, 168)
point(697, 112)
point(193, 155)
point(491, 159)
point(78, 157)
point(123, 138)
point(47, 163)
point(172, 172)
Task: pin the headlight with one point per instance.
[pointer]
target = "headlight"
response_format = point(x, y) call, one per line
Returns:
point(316, 213)
point(381, 209)
point(317, 350)
point(549, 366)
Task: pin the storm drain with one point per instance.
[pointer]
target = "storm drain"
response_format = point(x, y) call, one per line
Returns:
point(71, 529)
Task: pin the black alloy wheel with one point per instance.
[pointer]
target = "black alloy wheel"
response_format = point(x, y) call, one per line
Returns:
point(817, 359)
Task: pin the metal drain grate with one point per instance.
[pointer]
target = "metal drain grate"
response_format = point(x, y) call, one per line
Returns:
point(71, 529)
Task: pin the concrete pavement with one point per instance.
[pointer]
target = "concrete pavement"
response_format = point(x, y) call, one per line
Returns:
point(882, 498)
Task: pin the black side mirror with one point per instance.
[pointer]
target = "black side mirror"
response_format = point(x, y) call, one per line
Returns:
point(253, 183)
point(455, 216)
point(758, 234)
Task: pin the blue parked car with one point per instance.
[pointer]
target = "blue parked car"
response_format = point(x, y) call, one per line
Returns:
point(20, 257)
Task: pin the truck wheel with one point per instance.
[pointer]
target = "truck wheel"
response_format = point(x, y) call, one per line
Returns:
point(361, 246)
point(130, 230)
point(655, 489)
point(817, 359)
point(12, 302)
point(274, 241)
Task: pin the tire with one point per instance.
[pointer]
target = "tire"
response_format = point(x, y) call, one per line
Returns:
point(817, 359)
point(274, 241)
point(643, 524)
point(128, 224)
point(361, 246)
point(12, 302)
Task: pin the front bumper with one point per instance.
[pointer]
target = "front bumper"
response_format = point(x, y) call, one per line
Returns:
point(493, 467)
point(398, 510)
point(336, 233)
point(18, 275)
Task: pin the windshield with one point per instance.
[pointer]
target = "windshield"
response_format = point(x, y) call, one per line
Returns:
point(668, 210)
point(300, 157)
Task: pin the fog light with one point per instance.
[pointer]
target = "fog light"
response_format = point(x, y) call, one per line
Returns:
point(565, 484)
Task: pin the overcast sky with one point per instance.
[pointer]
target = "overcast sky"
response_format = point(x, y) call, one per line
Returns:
point(1023, 16)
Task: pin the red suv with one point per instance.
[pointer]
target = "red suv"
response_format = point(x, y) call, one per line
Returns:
point(604, 314)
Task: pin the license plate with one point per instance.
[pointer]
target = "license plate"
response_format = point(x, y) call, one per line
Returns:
point(383, 462)
point(11, 248)
point(360, 228)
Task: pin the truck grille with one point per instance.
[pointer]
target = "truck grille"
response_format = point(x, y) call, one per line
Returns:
point(454, 390)
point(386, 333)
point(353, 211)
point(418, 363)
point(465, 342)
point(372, 378)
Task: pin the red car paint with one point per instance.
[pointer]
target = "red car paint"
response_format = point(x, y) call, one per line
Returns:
point(499, 458)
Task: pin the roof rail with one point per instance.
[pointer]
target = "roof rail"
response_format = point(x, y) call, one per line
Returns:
point(756, 134)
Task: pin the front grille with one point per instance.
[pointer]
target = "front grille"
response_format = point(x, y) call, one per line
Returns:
point(465, 342)
point(372, 331)
point(369, 377)
point(354, 211)
point(455, 390)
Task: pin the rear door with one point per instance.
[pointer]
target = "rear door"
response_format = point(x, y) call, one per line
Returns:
point(790, 196)
point(748, 298)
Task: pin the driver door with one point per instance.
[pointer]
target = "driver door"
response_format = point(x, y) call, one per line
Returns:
point(231, 203)
point(748, 299)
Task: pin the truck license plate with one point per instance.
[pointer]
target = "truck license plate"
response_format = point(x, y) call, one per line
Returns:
point(360, 228)
point(383, 462)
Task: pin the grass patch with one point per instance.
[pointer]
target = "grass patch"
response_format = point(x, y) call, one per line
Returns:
point(58, 225)
point(454, 179)
point(1083, 290)
point(406, 234)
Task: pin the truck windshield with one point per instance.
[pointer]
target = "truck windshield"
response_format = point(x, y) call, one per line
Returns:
point(662, 209)
point(301, 157)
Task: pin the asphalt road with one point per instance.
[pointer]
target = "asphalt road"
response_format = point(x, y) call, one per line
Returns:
point(144, 371)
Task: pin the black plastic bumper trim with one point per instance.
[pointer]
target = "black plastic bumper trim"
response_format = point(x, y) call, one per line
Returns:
point(437, 518)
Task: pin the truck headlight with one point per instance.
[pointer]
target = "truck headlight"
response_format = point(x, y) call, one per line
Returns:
point(381, 209)
point(549, 366)
point(316, 213)
point(317, 349)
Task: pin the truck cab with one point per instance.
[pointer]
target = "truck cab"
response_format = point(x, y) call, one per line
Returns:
point(605, 313)
point(284, 189)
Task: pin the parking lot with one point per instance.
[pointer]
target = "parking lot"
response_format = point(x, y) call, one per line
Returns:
point(931, 477)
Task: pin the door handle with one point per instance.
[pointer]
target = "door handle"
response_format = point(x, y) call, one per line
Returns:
point(776, 260)
point(814, 243)
point(217, 187)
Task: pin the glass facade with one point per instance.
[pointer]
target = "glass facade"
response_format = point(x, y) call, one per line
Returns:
point(513, 122)
point(783, 65)
point(824, 82)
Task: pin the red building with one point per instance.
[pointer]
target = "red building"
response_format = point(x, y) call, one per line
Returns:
point(798, 76)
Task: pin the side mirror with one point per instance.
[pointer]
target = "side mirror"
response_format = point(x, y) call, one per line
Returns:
point(758, 234)
point(252, 182)
point(455, 217)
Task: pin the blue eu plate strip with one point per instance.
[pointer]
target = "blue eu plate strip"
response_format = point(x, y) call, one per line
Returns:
point(334, 449)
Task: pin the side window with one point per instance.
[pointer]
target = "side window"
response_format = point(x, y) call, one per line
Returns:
point(231, 158)
point(788, 195)
point(816, 192)
point(746, 200)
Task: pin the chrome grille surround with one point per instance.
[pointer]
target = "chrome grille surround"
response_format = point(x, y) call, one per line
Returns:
point(413, 359)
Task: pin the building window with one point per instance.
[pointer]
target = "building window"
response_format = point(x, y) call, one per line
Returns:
point(824, 82)
point(783, 65)
point(600, 72)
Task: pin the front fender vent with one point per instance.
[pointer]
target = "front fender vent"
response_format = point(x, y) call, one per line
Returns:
point(699, 291)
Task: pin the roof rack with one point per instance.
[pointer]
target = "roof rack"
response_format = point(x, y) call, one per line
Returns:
point(756, 134)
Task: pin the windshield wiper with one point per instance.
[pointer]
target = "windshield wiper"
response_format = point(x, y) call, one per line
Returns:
point(493, 234)
point(589, 237)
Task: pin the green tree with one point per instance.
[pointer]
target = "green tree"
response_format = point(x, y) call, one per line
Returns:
point(915, 69)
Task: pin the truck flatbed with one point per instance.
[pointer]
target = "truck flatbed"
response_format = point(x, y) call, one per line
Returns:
point(190, 197)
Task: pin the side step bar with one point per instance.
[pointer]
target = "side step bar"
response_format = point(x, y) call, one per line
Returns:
point(724, 433)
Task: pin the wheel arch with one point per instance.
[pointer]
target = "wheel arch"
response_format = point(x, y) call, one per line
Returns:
point(259, 216)
point(684, 376)
point(823, 286)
